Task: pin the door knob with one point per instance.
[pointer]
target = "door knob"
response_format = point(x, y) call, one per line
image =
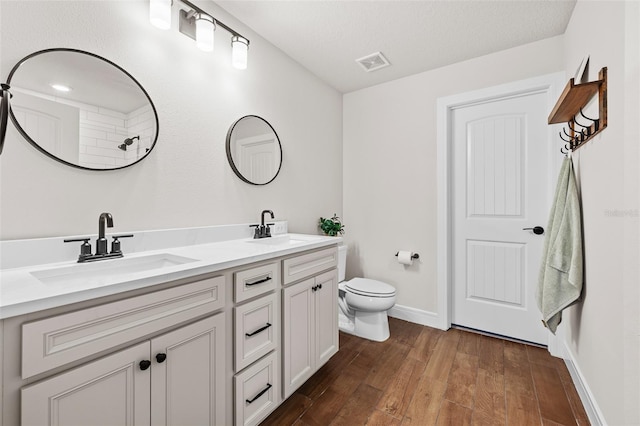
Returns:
point(538, 230)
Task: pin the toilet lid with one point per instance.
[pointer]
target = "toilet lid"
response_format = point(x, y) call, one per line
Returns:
point(371, 288)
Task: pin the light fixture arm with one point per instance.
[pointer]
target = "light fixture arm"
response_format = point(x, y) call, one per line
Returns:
point(195, 9)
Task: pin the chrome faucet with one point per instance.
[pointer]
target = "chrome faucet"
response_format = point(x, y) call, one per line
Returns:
point(262, 230)
point(101, 243)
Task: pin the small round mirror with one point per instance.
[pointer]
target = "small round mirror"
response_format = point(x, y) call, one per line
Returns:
point(253, 150)
point(82, 110)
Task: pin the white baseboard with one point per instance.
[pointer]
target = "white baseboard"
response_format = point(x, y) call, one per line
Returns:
point(596, 417)
point(418, 316)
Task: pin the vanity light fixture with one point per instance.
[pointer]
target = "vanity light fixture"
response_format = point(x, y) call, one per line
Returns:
point(200, 26)
point(61, 87)
point(204, 32)
point(239, 49)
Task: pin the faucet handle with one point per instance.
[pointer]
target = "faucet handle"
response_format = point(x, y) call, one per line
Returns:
point(257, 232)
point(115, 244)
point(267, 229)
point(85, 247)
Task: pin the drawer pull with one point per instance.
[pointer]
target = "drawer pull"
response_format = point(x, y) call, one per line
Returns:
point(264, 280)
point(144, 364)
point(261, 329)
point(262, 392)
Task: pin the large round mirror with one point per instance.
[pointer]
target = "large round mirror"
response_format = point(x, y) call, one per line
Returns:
point(82, 109)
point(253, 150)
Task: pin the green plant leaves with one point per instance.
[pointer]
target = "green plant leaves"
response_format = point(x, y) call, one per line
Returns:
point(331, 227)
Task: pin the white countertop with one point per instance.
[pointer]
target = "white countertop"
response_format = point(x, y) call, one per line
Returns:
point(33, 288)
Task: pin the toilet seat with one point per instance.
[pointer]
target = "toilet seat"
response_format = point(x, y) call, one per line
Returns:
point(369, 288)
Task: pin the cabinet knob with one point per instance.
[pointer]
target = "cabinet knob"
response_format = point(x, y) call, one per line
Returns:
point(144, 364)
point(319, 286)
point(160, 358)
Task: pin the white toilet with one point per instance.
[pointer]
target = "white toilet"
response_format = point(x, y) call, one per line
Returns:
point(363, 304)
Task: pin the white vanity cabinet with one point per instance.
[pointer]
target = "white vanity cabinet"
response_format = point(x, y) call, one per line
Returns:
point(310, 316)
point(215, 347)
point(175, 378)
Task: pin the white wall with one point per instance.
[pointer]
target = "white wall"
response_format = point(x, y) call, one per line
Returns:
point(602, 333)
point(390, 164)
point(186, 180)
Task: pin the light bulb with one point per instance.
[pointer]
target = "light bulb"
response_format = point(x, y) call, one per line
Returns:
point(204, 32)
point(239, 51)
point(61, 87)
point(160, 13)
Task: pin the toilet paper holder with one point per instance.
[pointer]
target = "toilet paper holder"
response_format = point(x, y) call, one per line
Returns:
point(413, 255)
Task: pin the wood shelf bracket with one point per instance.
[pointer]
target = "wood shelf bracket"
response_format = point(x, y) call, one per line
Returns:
point(568, 109)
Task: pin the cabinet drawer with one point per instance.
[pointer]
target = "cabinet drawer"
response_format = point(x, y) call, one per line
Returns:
point(300, 267)
point(255, 281)
point(256, 326)
point(257, 391)
point(56, 341)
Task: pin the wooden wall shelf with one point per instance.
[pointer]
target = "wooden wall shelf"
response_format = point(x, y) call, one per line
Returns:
point(574, 97)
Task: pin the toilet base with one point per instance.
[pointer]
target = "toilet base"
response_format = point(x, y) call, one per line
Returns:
point(368, 325)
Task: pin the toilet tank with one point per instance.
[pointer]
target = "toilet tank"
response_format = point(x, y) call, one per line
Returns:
point(342, 262)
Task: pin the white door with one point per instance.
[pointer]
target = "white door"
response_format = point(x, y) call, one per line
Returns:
point(258, 158)
point(500, 171)
point(42, 128)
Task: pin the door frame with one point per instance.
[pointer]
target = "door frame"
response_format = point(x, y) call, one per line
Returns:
point(551, 84)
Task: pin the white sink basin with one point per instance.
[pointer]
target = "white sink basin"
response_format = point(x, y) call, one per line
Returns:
point(108, 270)
point(283, 240)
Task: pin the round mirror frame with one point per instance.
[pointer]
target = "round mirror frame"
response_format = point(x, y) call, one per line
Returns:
point(47, 153)
point(230, 158)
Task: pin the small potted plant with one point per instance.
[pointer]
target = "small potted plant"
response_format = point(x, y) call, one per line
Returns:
point(331, 227)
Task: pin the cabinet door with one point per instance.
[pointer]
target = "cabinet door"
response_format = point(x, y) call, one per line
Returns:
point(110, 391)
point(326, 321)
point(188, 375)
point(298, 334)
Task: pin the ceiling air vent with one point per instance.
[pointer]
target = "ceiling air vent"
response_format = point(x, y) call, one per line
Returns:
point(373, 62)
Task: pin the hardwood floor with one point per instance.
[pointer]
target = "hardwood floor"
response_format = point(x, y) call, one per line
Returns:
point(423, 376)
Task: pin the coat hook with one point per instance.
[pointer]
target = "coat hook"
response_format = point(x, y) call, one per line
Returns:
point(595, 121)
point(568, 141)
point(590, 119)
point(573, 141)
point(588, 128)
point(567, 134)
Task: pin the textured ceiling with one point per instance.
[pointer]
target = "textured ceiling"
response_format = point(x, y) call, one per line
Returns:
point(327, 37)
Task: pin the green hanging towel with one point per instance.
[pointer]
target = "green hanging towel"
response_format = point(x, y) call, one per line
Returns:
point(561, 272)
